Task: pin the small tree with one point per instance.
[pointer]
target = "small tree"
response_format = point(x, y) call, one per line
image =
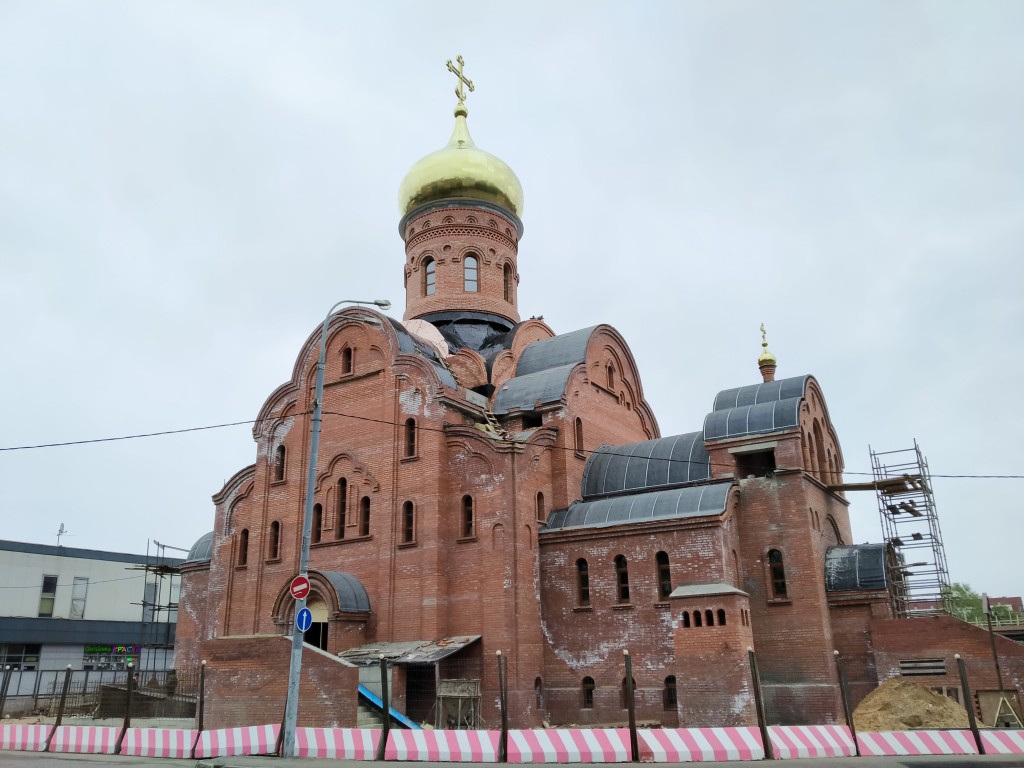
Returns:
point(966, 603)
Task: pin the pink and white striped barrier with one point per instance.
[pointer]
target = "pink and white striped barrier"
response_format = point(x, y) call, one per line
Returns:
point(569, 745)
point(337, 743)
point(158, 742)
point(1003, 742)
point(443, 746)
point(691, 745)
point(887, 743)
point(795, 741)
point(85, 739)
point(254, 740)
point(26, 738)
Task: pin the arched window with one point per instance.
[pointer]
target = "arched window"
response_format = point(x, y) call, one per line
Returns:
point(364, 516)
point(274, 544)
point(467, 516)
point(709, 618)
point(410, 437)
point(696, 619)
point(611, 376)
point(507, 274)
point(318, 523)
point(669, 698)
point(408, 523)
point(721, 617)
point(429, 277)
point(538, 692)
point(587, 698)
point(243, 547)
point(542, 514)
point(622, 578)
point(626, 692)
point(583, 582)
point(819, 445)
point(686, 619)
point(470, 269)
point(578, 436)
point(279, 456)
point(777, 573)
point(664, 575)
point(346, 360)
point(339, 529)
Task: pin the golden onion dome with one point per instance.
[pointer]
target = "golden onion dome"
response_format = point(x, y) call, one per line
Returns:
point(461, 170)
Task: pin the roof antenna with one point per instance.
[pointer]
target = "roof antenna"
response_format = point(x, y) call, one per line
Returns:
point(60, 533)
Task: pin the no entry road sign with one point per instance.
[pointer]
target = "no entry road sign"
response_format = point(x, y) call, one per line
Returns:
point(300, 587)
point(304, 619)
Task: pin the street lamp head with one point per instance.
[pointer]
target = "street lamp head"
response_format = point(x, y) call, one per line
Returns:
point(382, 303)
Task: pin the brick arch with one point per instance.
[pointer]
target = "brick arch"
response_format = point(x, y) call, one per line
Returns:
point(359, 470)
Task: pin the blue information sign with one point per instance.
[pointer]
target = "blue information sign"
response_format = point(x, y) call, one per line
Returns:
point(304, 619)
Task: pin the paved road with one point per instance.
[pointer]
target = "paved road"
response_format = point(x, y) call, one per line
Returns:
point(40, 760)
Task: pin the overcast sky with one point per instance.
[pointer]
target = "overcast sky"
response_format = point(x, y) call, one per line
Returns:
point(186, 188)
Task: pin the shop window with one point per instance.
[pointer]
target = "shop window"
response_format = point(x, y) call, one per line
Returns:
point(364, 516)
point(664, 575)
point(583, 582)
point(20, 656)
point(47, 597)
point(622, 579)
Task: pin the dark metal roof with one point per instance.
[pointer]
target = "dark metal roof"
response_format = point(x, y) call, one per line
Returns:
point(482, 332)
point(752, 419)
point(766, 391)
point(85, 554)
point(410, 345)
point(201, 550)
point(525, 392)
point(651, 464)
point(855, 567)
point(351, 593)
point(569, 348)
point(691, 501)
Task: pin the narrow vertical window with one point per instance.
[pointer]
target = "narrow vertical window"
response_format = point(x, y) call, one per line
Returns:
point(79, 590)
point(538, 692)
point(664, 575)
point(408, 523)
point(410, 438)
point(587, 697)
point(578, 435)
point(274, 545)
point(470, 269)
point(777, 573)
point(279, 455)
point(669, 697)
point(696, 619)
point(542, 514)
point(709, 618)
point(583, 582)
point(317, 525)
point(364, 516)
point(339, 531)
point(346, 360)
point(507, 274)
point(243, 547)
point(611, 376)
point(721, 617)
point(429, 277)
point(686, 619)
point(467, 517)
point(622, 578)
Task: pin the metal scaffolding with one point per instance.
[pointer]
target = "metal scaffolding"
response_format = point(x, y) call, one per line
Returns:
point(910, 526)
point(162, 584)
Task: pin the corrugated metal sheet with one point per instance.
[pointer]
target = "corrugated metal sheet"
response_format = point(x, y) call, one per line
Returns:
point(752, 419)
point(408, 652)
point(766, 391)
point(200, 552)
point(524, 392)
point(352, 597)
point(674, 503)
point(647, 465)
point(855, 567)
point(568, 348)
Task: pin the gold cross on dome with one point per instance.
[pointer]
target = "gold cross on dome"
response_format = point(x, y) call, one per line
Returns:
point(463, 80)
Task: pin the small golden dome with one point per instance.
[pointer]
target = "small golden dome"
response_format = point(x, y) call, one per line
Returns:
point(766, 357)
point(460, 170)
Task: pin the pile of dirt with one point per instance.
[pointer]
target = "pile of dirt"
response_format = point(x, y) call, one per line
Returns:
point(898, 705)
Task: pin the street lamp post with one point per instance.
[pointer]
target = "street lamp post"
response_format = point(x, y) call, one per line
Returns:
point(291, 710)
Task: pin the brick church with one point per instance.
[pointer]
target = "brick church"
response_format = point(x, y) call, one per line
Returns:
point(485, 483)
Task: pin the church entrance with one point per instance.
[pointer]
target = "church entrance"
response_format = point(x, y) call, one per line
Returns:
point(316, 635)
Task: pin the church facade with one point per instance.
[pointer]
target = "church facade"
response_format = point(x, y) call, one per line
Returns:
point(485, 484)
